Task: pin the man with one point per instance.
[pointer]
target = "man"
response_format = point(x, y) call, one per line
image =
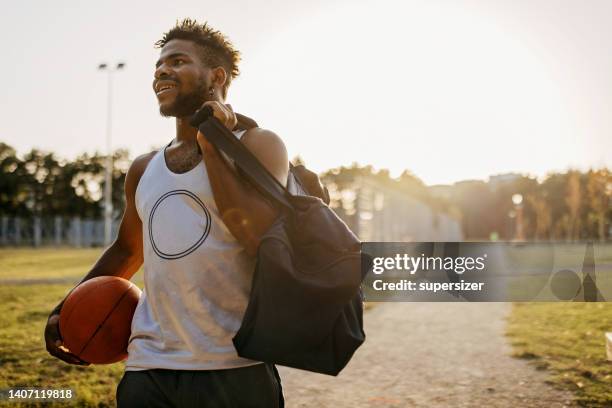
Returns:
point(196, 226)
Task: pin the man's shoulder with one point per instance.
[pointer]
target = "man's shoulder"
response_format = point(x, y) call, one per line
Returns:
point(141, 162)
point(264, 137)
point(269, 148)
point(137, 169)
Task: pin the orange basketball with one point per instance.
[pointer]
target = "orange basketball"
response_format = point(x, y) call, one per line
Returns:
point(96, 319)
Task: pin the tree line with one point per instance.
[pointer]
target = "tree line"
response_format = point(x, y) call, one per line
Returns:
point(571, 205)
point(40, 184)
point(564, 206)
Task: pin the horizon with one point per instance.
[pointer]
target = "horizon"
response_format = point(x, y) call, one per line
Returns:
point(375, 169)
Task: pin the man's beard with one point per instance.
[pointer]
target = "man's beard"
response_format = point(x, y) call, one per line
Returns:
point(186, 104)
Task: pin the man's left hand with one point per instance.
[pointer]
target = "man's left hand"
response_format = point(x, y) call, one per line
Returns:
point(224, 113)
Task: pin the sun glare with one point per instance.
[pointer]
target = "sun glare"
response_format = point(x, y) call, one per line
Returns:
point(442, 91)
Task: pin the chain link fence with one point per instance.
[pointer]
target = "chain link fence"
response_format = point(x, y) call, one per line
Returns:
point(58, 231)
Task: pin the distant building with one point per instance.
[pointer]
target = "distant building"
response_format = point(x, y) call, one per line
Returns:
point(380, 213)
point(441, 190)
point(500, 179)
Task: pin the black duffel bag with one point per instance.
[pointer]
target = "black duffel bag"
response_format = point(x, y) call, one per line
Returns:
point(305, 308)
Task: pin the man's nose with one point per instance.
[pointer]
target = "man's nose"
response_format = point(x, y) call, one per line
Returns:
point(162, 71)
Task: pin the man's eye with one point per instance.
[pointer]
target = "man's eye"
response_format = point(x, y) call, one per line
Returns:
point(178, 62)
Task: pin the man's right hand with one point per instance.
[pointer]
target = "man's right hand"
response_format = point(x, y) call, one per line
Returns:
point(54, 342)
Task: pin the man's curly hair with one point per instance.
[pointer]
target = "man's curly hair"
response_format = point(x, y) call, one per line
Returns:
point(217, 50)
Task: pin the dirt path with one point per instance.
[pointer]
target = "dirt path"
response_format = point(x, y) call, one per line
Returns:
point(429, 355)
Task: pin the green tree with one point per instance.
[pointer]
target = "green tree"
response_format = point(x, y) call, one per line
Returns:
point(12, 200)
point(599, 189)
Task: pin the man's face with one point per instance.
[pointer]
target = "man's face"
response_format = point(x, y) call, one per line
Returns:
point(180, 82)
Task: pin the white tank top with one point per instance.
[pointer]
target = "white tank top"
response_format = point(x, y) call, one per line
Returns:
point(197, 276)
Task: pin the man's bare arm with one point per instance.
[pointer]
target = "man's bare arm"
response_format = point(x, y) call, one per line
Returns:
point(122, 258)
point(244, 211)
point(269, 150)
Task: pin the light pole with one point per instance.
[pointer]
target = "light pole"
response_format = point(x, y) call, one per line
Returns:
point(108, 174)
point(517, 200)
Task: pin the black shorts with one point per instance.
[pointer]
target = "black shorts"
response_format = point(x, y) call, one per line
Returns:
point(252, 386)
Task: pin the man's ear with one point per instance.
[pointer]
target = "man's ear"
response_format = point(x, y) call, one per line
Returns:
point(219, 77)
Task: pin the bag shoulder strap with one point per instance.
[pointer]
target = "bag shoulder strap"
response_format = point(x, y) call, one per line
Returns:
point(220, 137)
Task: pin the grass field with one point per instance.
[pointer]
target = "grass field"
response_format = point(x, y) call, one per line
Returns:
point(46, 263)
point(24, 309)
point(24, 360)
point(49, 264)
point(566, 338)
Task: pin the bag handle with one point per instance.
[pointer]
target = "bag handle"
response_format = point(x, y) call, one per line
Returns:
point(220, 137)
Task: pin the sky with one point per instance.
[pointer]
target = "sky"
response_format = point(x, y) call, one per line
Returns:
point(449, 90)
